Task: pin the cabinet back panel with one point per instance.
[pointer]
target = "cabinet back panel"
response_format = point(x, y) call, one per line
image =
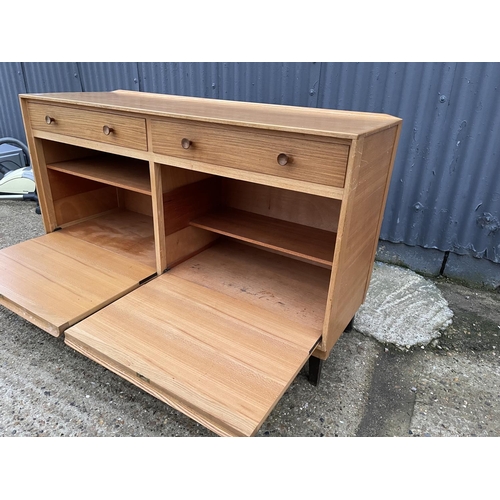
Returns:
point(122, 232)
point(300, 208)
point(173, 177)
point(185, 203)
point(56, 151)
point(84, 205)
point(135, 202)
point(186, 243)
point(63, 185)
point(187, 194)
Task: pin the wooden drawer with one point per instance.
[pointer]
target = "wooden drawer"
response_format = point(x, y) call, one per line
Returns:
point(125, 131)
point(310, 160)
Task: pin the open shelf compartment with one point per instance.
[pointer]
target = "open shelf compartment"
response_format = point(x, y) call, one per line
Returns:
point(199, 208)
point(309, 243)
point(120, 231)
point(113, 170)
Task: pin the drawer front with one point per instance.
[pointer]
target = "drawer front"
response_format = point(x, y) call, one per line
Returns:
point(316, 161)
point(108, 128)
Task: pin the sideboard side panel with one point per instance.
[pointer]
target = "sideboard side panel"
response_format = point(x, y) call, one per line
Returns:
point(358, 230)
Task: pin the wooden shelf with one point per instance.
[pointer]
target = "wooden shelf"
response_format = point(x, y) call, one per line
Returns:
point(123, 232)
point(126, 173)
point(314, 245)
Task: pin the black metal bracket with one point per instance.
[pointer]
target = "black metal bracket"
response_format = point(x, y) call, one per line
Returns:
point(315, 367)
point(316, 364)
point(350, 326)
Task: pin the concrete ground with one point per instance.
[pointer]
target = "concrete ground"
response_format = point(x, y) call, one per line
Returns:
point(449, 387)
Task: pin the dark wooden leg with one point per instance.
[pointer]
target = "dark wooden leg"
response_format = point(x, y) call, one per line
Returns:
point(350, 326)
point(315, 366)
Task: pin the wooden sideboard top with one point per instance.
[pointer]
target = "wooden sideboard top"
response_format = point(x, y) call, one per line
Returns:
point(317, 121)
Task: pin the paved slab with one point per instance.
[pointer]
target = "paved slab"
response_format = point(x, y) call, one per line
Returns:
point(402, 308)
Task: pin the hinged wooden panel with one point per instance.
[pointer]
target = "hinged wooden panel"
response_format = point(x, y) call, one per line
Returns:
point(56, 280)
point(221, 361)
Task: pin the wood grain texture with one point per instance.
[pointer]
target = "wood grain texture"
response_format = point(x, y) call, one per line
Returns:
point(122, 232)
point(383, 159)
point(256, 151)
point(221, 361)
point(359, 222)
point(129, 132)
point(321, 122)
point(57, 151)
point(56, 280)
point(314, 245)
point(187, 194)
point(301, 208)
point(288, 288)
point(81, 206)
point(251, 176)
point(173, 177)
point(37, 160)
point(234, 315)
point(42, 184)
point(158, 216)
point(187, 202)
point(64, 185)
point(186, 243)
point(98, 147)
point(135, 202)
point(118, 171)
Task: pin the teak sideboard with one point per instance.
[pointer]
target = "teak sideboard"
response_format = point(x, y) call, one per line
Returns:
point(201, 249)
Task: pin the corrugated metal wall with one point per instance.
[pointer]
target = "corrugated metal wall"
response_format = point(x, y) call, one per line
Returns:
point(445, 191)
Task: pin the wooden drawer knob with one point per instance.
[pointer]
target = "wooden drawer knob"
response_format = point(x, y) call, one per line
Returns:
point(186, 143)
point(49, 119)
point(107, 130)
point(284, 159)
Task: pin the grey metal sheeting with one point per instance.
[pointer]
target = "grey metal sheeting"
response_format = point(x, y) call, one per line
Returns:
point(445, 190)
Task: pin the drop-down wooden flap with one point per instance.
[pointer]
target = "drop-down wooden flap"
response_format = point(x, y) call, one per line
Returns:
point(55, 280)
point(220, 360)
